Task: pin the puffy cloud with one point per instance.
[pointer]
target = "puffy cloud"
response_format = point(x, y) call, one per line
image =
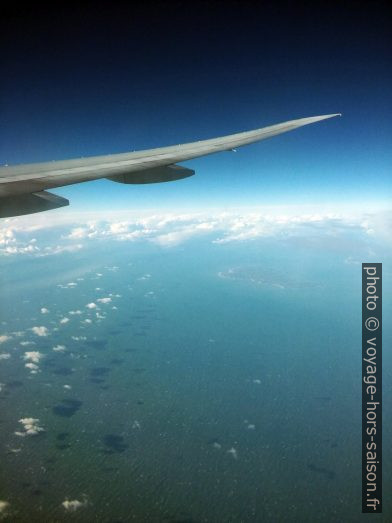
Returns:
point(27, 343)
point(40, 331)
point(91, 305)
point(59, 348)
point(44, 310)
point(169, 229)
point(30, 427)
point(119, 228)
point(4, 338)
point(34, 356)
point(33, 367)
point(75, 504)
point(4, 506)
point(63, 321)
point(78, 233)
point(5, 356)
point(72, 313)
point(104, 300)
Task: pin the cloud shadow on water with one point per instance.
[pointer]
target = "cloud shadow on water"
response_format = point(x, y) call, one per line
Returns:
point(67, 408)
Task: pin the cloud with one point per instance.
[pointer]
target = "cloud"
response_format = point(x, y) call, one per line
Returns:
point(44, 310)
point(75, 504)
point(59, 348)
point(4, 506)
point(27, 343)
point(168, 229)
point(91, 305)
point(64, 320)
point(4, 338)
point(59, 249)
point(34, 356)
point(30, 427)
point(104, 300)
point(72, 313)
point(33, 367)
point(40, 331)
point(33, 359)
point(5, 356)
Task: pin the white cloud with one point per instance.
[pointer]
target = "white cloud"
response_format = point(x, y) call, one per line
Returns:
point(34, 356)
point(40, 331)
point(4, 506)
point(64, 320)
point(75, 504)
point(91, 305)
point(30, 426)
point(168, 229)
point(33, 367)
point(78, 233)
point(27, 343)
point(58, 249)
point(104, 300)
point(59, 348)
point(73, 313)
point(44, 310)
point(4, 338)
point(5, 356)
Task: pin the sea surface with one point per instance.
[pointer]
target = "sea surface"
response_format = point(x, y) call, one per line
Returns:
point(211, 383)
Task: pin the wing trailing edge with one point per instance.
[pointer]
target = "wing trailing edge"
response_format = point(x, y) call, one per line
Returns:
point(24, 187)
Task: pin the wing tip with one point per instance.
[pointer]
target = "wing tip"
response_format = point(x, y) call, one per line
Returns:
point(325, 116)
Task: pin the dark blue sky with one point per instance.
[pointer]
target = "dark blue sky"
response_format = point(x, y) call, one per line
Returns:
point(97, 80)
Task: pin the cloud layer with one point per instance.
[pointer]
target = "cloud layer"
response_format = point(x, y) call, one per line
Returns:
point(171, 229)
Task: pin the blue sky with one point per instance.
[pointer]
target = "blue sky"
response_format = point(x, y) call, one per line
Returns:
point(88, 82)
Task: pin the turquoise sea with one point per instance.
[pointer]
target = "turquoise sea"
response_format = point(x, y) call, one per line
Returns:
point(211, 383)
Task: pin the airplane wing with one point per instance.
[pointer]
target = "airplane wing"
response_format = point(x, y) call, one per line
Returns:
point(23, 188)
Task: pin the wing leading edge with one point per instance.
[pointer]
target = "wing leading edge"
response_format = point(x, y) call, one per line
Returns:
point(148, 166)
